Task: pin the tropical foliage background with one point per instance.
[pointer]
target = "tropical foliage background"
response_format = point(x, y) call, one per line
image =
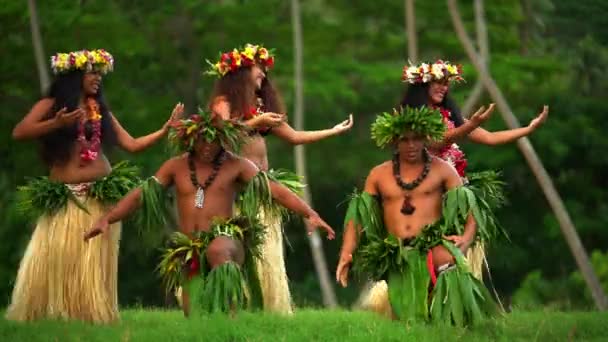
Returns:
point(541, 52)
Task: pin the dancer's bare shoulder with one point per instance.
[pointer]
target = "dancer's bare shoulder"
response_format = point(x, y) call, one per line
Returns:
point(376, 176)
point(221, 107)
point(446, 171)
point(166, 173)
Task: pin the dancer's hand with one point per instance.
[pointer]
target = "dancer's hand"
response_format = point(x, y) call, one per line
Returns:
point(459, 241)
point(343, 268)
point(269, 119)
point(100, 227)
point(482, 114)
point(344, 125)
point(315, 221)
point(176, 115)
point(64, 118)
point(539, 120)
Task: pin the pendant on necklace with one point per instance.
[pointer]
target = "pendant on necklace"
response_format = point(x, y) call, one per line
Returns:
point(199, 198)
point(407, 208)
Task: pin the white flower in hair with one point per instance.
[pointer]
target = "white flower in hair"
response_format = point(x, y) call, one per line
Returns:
point(437, 71)
point(425, 68)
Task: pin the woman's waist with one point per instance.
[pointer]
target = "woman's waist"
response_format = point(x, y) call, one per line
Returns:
point(75, 173)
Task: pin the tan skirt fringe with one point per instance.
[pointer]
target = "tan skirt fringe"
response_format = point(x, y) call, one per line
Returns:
point(271, 268)
point(63, 277)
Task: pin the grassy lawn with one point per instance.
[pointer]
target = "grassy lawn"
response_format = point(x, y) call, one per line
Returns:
point(311, 325)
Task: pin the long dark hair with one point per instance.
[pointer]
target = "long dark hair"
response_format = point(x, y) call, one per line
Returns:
point(238, 89)
point(270, 97)
point(66, 90)
point(417, 95)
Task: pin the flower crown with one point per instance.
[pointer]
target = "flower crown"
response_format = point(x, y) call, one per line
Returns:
point(437, 71)
point(86, 60)
point(425, 121)
point(248, 56)
point(186, 132)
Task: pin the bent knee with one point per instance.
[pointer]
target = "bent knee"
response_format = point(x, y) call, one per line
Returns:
point(222, 250)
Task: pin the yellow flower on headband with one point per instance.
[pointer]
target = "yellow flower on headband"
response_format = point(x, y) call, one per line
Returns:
point(81, 61)
point(237, 57)
point(250, 51)
point(452, 69)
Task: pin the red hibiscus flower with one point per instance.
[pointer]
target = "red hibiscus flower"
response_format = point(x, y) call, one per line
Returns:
point(270, 62)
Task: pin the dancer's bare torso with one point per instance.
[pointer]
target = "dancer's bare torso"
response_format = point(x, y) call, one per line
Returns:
point(426, 198)
point(256, 151)
point(219, 196)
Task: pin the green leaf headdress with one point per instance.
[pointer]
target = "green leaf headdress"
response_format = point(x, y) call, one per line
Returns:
point(390, 127)
point(185, 133)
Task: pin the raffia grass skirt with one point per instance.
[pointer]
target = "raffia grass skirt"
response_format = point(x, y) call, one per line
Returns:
point(271, 268)
point(63, 277)
point(374, 296)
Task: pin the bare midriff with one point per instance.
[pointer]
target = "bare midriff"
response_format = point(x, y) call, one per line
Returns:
point(76, 171)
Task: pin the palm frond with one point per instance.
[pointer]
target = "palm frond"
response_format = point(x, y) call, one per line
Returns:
point(155, 212)
point(112, 188)
point(42, 196)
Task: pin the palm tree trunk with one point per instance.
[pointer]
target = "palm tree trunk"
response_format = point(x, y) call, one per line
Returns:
point(410, 28)
point(545, 182)
point(316, 245)
point(484, 51)
point(43, 74)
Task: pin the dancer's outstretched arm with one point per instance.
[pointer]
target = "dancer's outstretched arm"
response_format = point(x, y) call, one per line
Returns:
point(287, 133)
point(130, 144)
point(479, 117)
point(128, 204)
point(482, 136)
point(287, 199)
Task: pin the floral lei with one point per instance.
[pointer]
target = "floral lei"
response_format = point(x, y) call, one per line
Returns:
point(437, 71)
point(451, 153)
point(87, 60)
point(237, 58)
point(89, 149)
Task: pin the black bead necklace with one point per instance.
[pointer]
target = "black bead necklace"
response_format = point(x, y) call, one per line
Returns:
point(407, 208)
point(199, 198)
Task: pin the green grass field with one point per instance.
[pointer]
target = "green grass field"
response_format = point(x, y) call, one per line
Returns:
point(311, 325)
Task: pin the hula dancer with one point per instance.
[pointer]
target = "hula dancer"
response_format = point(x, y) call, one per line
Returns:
point(244, 91)
point(212, 254)
point(429, 85)
point(412, 224)
point(60, 276)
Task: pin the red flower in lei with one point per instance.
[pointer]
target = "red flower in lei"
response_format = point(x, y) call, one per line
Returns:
point(89, 149)
point(452, 153)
